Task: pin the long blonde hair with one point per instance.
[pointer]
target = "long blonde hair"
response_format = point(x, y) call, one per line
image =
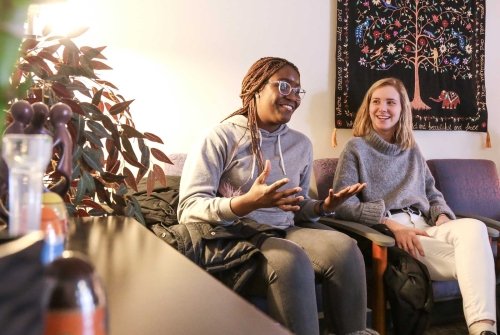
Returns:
point(403, 135)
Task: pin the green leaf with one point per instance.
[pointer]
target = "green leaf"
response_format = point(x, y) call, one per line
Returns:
point(98, 129)
point(122, 190)
point(145, 155)
point(129, 210)
point(93, 159)
point(77, 154)
point(137, 213)
point(78, 121)
point(90, 109)
point(80, 191)
point(93, 138)
point(89, 183)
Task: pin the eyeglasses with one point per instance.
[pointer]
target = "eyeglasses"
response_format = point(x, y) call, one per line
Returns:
point(285, 89)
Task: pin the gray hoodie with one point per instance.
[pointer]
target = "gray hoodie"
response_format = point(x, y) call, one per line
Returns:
point(223, 167)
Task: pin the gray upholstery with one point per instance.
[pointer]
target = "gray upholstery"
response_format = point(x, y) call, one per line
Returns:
point(470, 186)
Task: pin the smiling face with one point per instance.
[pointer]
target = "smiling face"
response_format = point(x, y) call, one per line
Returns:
point(385, 110)
point(274, 109)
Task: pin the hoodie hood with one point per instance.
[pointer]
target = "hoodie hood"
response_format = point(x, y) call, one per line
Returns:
point(264, 136)
point(242, 121)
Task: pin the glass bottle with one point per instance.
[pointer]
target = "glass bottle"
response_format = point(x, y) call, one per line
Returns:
point(27, 157)
point(74, 297)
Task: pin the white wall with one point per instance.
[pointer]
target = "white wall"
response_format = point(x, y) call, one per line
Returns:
point(183, 62)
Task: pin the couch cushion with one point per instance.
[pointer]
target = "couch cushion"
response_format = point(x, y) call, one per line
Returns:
point(175, 169)
point(469, 186)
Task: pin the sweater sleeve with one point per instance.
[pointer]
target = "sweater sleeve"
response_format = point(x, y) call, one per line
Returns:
point(436, 200)
point(354, 209)
point(198, 199)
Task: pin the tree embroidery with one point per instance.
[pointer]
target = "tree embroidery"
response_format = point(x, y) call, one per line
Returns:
point(417, 34)
point(437, 48)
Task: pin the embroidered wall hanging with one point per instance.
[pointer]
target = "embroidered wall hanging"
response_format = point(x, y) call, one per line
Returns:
point(436, 47)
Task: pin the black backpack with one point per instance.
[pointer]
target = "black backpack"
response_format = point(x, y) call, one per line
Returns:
point(408, 288)
point(409, 291)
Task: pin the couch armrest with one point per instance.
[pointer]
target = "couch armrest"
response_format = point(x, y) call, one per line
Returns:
point(359, 229)
point(492, 225)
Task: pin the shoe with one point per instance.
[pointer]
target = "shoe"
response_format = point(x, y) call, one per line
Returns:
point(487, 332)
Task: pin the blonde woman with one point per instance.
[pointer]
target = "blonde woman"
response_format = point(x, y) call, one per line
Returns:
point(401, 194)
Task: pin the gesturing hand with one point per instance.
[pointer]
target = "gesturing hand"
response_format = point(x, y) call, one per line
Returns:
point(262, 195)
point(333, 200)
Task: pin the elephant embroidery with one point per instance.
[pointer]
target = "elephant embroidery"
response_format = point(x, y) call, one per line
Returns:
point(448, 99)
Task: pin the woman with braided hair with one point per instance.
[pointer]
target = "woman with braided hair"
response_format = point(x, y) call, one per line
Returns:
point(253, 168)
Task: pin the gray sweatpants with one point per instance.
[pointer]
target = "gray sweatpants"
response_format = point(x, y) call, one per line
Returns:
point(293, 265)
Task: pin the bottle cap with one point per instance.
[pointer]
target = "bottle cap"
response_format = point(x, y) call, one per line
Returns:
point(51, 198)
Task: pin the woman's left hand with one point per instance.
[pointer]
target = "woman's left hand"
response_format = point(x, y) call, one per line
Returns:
point(333, 200)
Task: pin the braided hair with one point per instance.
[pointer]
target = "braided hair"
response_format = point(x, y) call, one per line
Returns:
point(253, 82)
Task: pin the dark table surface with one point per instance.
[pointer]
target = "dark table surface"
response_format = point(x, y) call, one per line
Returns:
point(153, 289)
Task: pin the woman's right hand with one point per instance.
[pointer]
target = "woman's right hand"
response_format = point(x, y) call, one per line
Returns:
point(262, 195)
point(406, 237)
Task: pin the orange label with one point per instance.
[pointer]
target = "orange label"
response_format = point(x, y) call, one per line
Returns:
point(76, 322)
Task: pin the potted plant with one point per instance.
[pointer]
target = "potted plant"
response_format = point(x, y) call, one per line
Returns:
point(110, 156)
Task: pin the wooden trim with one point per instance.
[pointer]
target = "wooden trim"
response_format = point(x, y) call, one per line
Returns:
point(379, 265)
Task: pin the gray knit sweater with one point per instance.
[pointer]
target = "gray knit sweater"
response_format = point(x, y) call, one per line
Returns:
point(395, 178)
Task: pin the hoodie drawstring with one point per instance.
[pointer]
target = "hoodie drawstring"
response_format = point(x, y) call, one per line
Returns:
point(281, 155)
point(282, 161)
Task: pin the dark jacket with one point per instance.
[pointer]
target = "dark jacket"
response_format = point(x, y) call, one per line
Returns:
point(229, 253)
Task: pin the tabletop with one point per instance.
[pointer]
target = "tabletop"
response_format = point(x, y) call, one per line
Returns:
point(153, 289)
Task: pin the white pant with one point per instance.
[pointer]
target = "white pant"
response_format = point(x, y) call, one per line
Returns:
point(459, 249)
